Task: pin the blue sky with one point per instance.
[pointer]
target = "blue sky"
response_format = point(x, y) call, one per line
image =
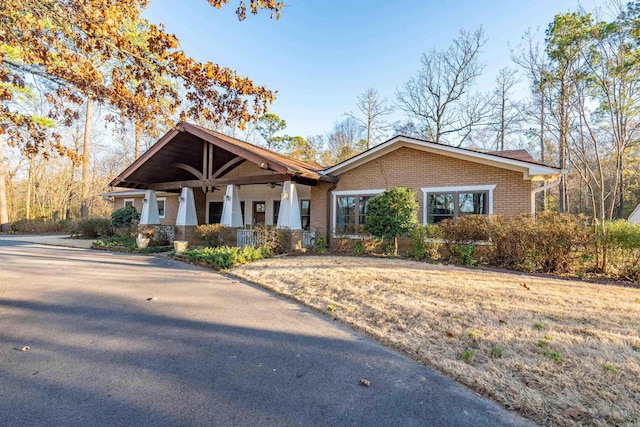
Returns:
point(322, 54)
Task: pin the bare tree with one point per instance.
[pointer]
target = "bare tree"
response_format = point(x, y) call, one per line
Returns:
point(505, 110)
point(343, 141)
point(438, 95)
point(373, 109)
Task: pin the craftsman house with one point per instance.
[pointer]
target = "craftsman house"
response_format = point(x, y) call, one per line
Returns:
point(194, 176)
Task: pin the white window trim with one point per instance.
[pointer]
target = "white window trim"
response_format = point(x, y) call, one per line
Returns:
point(469, 188)
point(133, 202)
point(164, 200)
point(334, 219)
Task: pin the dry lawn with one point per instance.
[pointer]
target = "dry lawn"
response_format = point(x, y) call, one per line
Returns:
point(546, 348)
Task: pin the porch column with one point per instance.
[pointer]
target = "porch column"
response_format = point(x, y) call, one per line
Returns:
point(289, 214)
point(187, 209)
point(149, 215)
point(231, 211)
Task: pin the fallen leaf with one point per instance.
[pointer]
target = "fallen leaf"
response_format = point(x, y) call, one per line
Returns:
point(152, 298)
point(364, 382)
point(524, 285)
point(450, 335)
point(501, 321)
point(25, 348)
point(574, 413)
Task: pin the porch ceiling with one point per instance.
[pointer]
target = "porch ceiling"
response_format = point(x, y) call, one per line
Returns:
point(191, 156)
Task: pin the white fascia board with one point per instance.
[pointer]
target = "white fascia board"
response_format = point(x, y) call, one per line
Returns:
point(529, 170)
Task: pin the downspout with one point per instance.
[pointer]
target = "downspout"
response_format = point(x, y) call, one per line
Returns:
point(329, 204)
point(540, 189)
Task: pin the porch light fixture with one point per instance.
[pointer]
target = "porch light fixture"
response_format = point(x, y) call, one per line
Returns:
point(227, 197)
point(144, 200)
point(181, 199)
point(285, 195)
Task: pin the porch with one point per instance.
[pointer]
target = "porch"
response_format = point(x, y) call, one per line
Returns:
point(210, 178)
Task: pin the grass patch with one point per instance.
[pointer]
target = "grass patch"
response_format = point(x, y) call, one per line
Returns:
point(116, 241)
point(411, 306)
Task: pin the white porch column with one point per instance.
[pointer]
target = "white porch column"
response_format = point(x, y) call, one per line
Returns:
point(231, 210)
point(289, 214)
point(187, 208)
point(150, 215)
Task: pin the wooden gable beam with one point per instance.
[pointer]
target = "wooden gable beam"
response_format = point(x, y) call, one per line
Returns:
point(219, 182)
point(234, 149)
point(193, 171)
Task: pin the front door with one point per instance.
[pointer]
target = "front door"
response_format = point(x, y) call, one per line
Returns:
point(259, 212)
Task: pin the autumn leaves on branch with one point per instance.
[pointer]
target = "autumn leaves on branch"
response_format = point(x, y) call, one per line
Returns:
point(106, 51)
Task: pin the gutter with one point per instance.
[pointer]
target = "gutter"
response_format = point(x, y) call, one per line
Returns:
point(541, 189)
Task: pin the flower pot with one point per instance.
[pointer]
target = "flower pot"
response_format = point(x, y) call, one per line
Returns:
point(180, 246)
point(142, 242)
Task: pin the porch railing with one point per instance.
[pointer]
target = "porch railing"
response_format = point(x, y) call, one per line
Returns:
point(249, 237)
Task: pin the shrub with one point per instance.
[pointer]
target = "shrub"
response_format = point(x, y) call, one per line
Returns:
point(91, 228)
point(320, 245)
point(39, 226)
point(553, 243)
point(277, 240)
point(224, 257)
point(124, 217)
point(621, 242)
point(214, 235)
point(392, 214)
point(358, 248)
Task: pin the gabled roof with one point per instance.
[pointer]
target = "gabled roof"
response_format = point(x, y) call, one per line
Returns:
point(513, 160)
point(280, 159)
point(178, 146)
point(516, 155)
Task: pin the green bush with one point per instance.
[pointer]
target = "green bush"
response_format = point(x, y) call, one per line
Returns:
point(391, 214)
point(91, 228)
point(320, 245)
point(124, 217)
point(224, 257)
point(358, 248)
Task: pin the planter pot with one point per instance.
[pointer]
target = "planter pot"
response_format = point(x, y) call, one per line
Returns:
point(142, 242)
point(180, 246)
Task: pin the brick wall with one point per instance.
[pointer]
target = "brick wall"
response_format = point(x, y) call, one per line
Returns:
point(415, 169)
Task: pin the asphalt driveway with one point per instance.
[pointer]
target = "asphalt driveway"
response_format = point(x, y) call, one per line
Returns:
point(205, 350)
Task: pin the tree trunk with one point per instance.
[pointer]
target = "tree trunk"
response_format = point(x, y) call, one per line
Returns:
point(395, 245)
point(84, 207)
point(29, 186)
point(4, 210)
point(137, 141)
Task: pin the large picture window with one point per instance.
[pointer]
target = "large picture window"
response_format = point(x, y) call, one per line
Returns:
point(452, 202)
point(350, 210)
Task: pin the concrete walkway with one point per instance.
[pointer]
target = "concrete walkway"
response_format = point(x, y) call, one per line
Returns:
point(117, 339)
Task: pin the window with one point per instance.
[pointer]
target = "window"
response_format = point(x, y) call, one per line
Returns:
point(215, 212)
point(305, 214)
point(276, 211)
point(452, 202)
point(162, 201)
point(350, 210)
point(128, 202)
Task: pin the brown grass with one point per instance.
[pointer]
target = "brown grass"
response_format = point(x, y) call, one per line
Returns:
point(564, 344)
